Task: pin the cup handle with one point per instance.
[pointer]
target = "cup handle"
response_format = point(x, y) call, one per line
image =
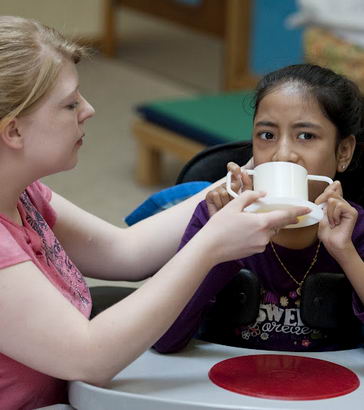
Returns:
point(228, 181)
point(324, 179)
point(320, 178)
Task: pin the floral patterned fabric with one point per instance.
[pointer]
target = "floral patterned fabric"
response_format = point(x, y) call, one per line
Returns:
point(20, 386)
point(325, 49)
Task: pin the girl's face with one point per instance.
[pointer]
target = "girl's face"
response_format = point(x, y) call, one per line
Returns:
point(54, 130)
point(290, 126)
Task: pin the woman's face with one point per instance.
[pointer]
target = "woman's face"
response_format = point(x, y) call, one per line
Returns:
point(53, 131)
point(290, 126)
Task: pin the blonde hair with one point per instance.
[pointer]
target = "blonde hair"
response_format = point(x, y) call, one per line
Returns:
point(31, 56)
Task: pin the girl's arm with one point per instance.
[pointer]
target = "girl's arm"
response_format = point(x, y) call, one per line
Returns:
point(42, 330)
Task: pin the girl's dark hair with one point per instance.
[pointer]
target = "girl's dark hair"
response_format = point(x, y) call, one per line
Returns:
point(339, 98)
point(340, 101)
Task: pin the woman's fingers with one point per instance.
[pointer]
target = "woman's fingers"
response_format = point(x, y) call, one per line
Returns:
point(246, 199)
point(274, 219)
point(280, 218)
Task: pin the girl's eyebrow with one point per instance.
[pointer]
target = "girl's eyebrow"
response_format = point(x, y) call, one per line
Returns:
point(305, 124)
point(265, 124)
point(301, 124)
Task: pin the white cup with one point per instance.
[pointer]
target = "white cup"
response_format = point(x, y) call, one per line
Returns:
point(280, 180)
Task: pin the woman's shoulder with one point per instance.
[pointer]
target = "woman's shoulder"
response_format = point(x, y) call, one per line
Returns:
point(40, 196)
point(39, 190)
point(11, 252)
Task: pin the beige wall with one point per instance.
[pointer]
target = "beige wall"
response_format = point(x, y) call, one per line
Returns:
point(71, 17)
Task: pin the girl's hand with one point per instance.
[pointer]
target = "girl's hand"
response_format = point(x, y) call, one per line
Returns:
point(240, 181)
point(336, 227)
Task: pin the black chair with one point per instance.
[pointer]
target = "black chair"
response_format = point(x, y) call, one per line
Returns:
point(106, 296)
point(210, 164)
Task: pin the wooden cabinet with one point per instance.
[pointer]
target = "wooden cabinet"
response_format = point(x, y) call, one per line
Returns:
point(227, 19)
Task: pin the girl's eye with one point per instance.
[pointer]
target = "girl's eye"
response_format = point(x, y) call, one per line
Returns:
point(73, 106)
point(305, 136)
point(266, 135)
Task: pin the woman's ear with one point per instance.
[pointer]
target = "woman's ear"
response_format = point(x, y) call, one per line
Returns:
point(11, 136)
point(345, 152)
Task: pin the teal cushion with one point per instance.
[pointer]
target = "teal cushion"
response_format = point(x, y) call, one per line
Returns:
point(209, 119)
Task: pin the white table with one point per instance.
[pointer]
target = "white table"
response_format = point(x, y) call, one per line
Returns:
point(180, 382)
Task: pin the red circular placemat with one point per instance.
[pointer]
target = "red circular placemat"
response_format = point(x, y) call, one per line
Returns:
point(284, 377)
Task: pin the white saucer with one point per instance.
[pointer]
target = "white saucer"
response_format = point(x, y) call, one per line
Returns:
point(267, 204)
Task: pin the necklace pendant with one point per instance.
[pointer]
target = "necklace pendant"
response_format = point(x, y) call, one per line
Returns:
point(298, 291)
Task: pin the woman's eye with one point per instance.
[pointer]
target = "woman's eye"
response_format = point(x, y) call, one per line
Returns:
point(266, 135)
point(73, 106)
point(305, 136)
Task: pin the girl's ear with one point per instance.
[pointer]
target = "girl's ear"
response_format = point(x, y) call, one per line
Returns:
point(345, 152)
point(11, 136)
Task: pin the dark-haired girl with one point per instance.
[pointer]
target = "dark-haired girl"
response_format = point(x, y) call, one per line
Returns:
point(310, 116)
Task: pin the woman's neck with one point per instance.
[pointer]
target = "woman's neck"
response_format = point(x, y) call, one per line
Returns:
point(9, 197)
point(296, 238)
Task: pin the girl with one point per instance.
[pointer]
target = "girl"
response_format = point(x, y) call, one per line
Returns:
point(310, 116)
point(46, 337)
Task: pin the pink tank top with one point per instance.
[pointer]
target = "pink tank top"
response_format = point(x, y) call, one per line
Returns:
point(20, 386)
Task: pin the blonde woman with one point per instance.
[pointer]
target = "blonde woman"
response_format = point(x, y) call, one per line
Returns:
point(46, 337)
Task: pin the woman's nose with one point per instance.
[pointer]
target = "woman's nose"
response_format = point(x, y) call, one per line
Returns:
point(87, 111)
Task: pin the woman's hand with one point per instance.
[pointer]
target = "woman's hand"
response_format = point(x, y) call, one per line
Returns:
point(233, 234)
point(240, 181)
point(336, 227)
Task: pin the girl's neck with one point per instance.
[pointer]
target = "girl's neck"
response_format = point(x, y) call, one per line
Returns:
point(296, 238)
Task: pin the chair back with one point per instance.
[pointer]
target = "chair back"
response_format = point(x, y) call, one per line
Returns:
point(210, 164)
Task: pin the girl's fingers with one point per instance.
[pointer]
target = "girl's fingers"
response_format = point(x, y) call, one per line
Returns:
point(217, 199)
point(337, 213)
point(246, 180)
point(337, 209)
point(334, 190)
point(233, 168)
point(225, 197)
point(330, 211)
point(236, 181)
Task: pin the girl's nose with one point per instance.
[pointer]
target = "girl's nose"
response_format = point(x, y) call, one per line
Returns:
point(285, 152)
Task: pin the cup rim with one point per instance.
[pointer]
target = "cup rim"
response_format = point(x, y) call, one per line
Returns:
point(281, 162)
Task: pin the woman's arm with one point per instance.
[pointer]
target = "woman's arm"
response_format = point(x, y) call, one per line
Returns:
point(41, 329)
point(90, 242)
point(105, 251)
